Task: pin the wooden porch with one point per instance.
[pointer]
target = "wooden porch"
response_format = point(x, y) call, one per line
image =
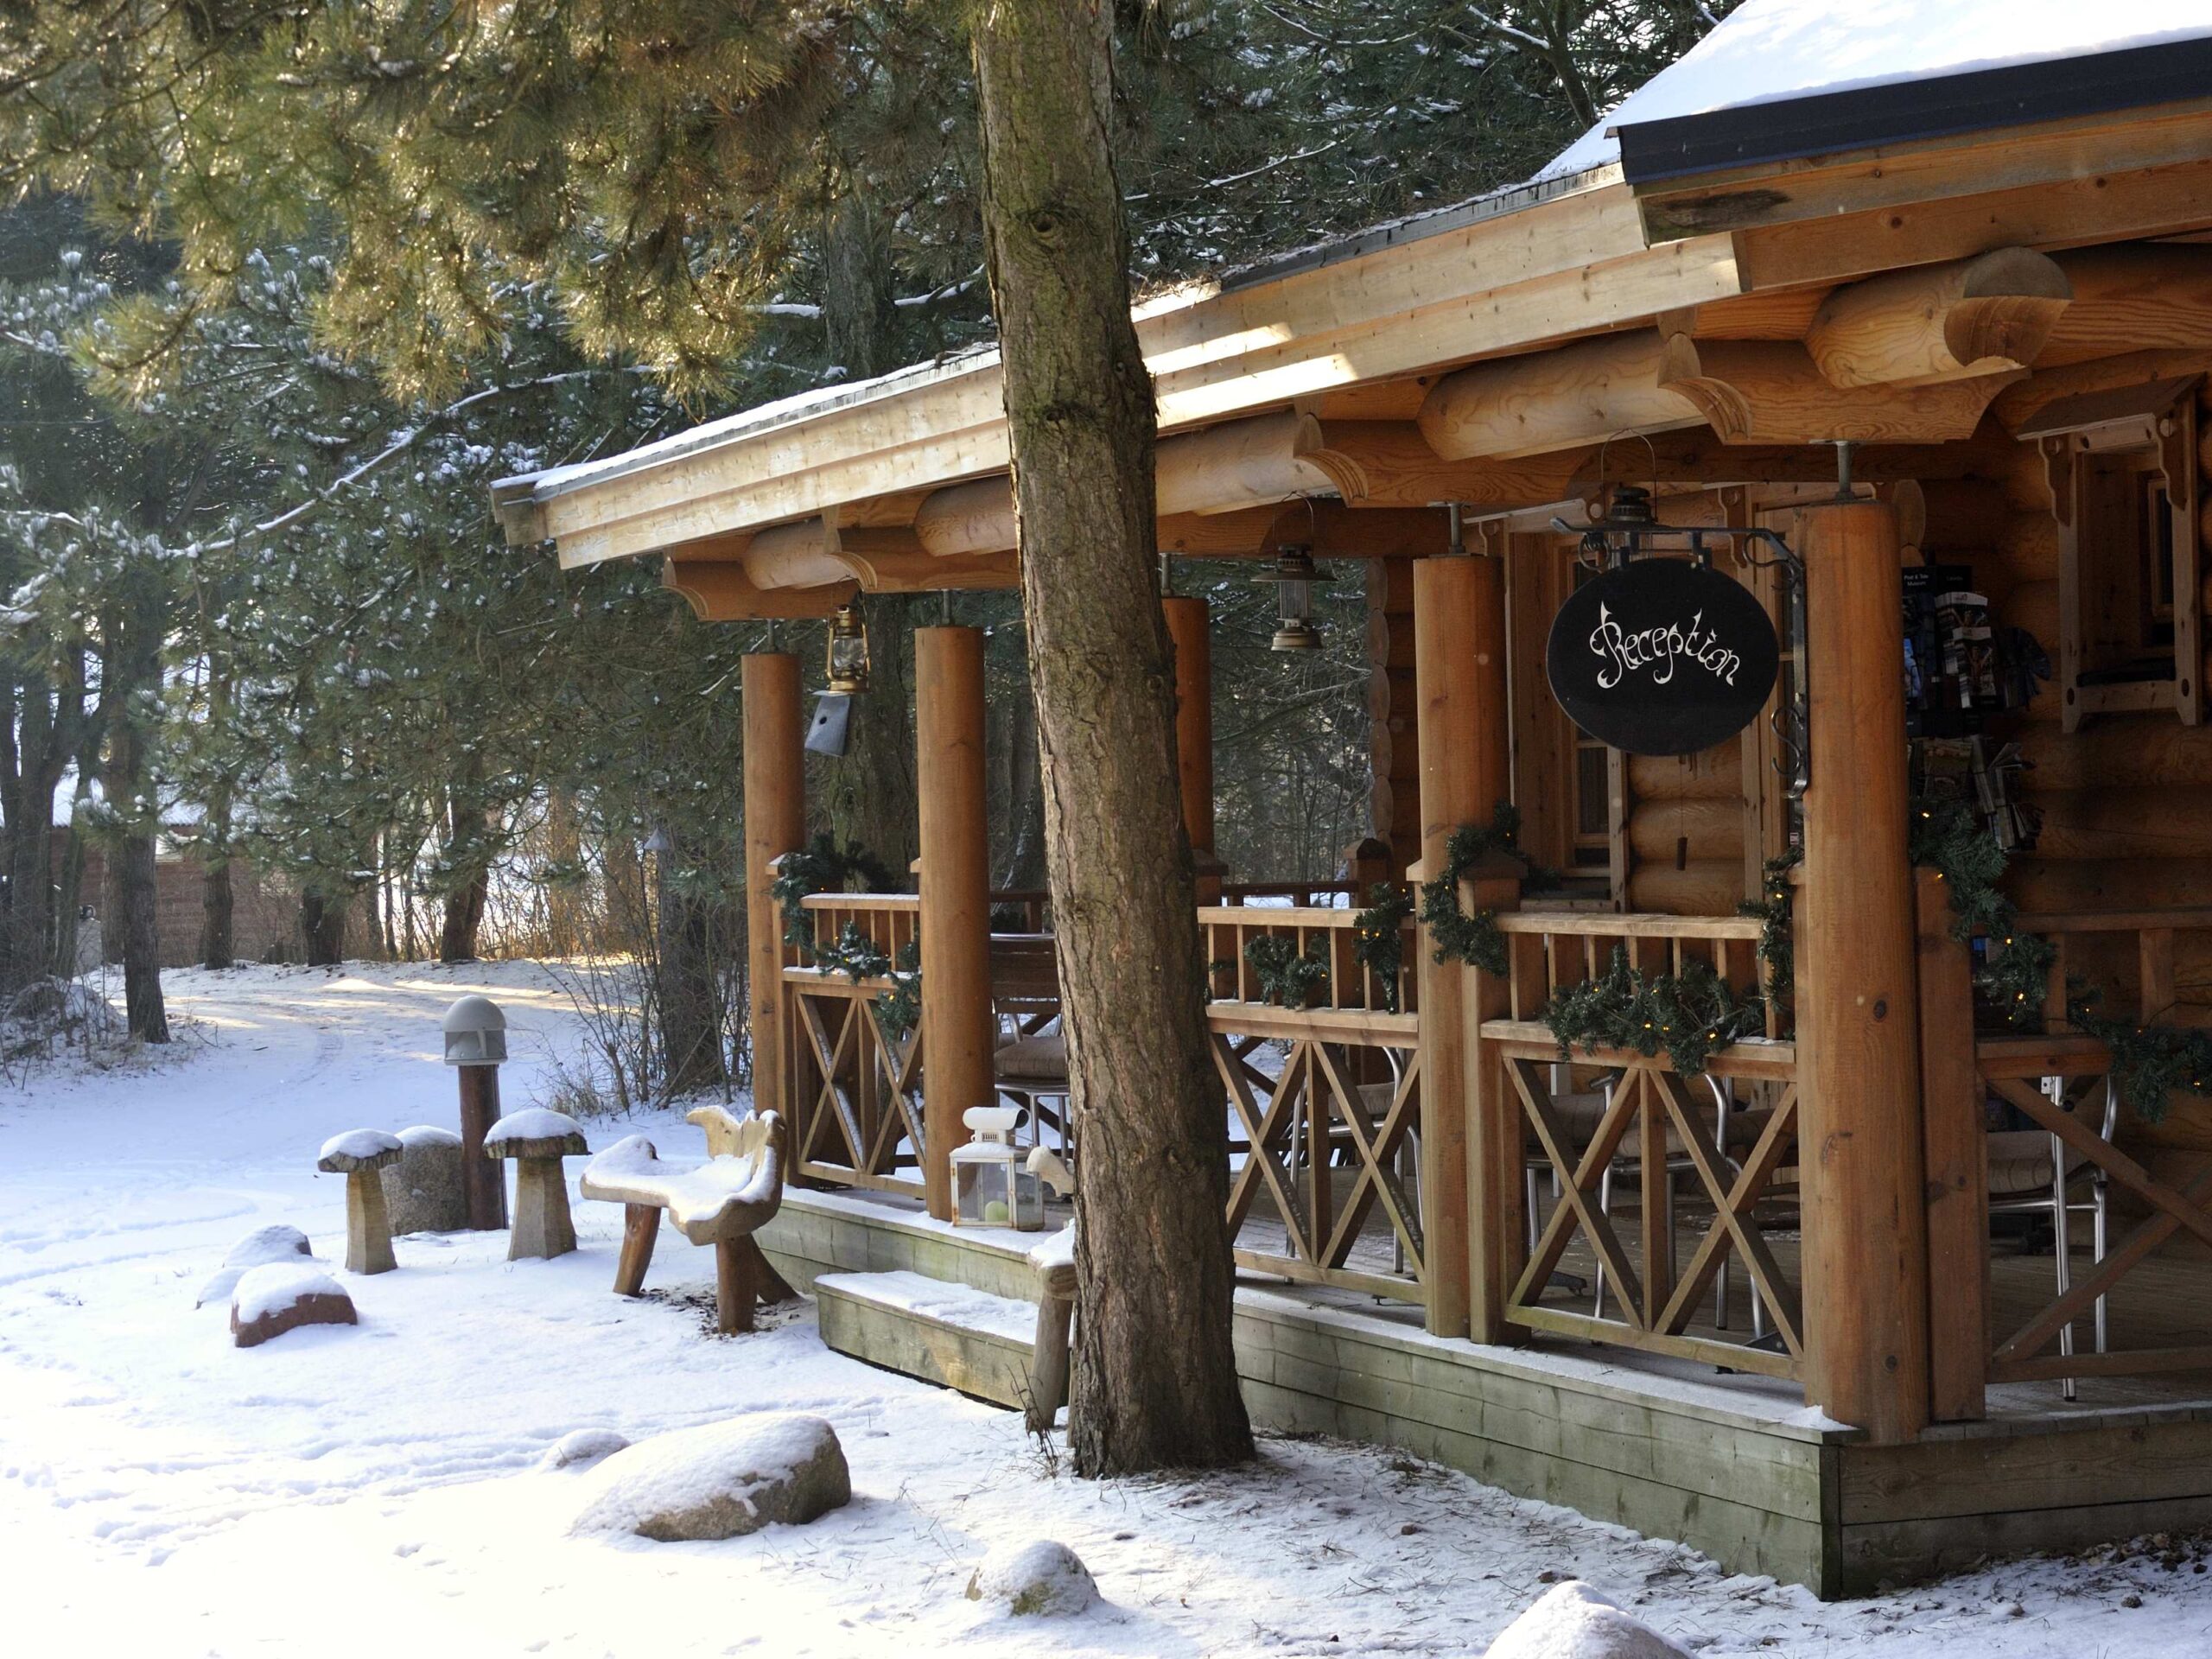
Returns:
point(1735, 1466)
point(1816, 1264)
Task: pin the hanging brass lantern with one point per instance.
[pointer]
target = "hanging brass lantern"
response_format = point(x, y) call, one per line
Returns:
point(1294, 577)
point(847, 664)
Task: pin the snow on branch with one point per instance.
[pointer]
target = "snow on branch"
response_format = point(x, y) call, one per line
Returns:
point(404, 440)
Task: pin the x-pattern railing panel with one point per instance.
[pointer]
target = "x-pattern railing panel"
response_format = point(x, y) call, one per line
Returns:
point(1656, 1303)
point(2172, 1210)
point(1305, 1125)
point(855, 1094)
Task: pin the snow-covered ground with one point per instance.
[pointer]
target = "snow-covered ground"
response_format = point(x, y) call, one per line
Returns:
point(383, 1489)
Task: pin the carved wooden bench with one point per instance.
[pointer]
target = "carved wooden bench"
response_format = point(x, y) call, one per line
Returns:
point(722, 1202)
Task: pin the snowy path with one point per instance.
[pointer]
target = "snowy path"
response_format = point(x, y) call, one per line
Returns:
point(379, 1489)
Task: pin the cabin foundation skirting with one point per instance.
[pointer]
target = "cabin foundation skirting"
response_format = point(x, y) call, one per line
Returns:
point(1745, 1475)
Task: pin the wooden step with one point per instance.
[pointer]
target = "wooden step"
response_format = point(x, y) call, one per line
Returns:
point(952, 1335)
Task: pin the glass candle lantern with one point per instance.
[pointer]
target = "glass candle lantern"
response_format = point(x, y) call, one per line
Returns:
point(1294, 577)
point(847, 669)
point(991, 1184)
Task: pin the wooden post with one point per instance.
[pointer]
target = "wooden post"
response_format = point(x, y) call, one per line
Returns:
point(1955, 1146)
point(1866, 1218)
point(775, 824)
point(1188, 624)
point(956, 888)
point(483, 1182)
point(1459, 676)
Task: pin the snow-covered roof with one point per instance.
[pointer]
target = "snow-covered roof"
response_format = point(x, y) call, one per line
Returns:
point(1771, 50)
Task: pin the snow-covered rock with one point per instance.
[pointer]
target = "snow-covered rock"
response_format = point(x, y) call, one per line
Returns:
point(1044, 1578)
point(720, 1480)
point(423, 1191)
point(280, 1296)
point(1572, 1621)
point(583, 1446)
point(263, 1244)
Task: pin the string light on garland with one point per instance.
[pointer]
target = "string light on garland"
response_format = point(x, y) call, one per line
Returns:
point(1949, 838)
point(1693, 1016)
point(2153, 1062)
point(1378, 939)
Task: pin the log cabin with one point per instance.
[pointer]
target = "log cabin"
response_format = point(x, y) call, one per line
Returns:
point(1911, 348)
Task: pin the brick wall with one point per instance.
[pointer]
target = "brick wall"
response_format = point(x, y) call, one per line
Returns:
point(265, 914)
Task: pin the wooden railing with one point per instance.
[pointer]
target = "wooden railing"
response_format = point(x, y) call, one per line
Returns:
point(1325, 1102)
point(1551, 950)
point(1617, 1127)
point(854, 1092)
point(2056, 1081)
point(1021, 910)
point(1352, 984)
point(1318, 894)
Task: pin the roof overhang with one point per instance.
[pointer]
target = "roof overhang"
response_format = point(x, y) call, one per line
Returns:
point(1779, 131)
point(1329, 354)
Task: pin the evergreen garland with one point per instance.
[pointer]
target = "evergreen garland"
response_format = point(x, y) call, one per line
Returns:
point(1288, 978)
point(2151, 1062)
point(822, 867)
point(899, 1010)
point(1778, 945)
point(1951, 840)
point(1692, 1015)
point(1478, 939)
point(852, 954)
point(1378, 937)
point(825, 866)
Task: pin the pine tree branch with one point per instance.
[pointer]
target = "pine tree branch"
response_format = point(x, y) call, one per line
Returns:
point(301, 511)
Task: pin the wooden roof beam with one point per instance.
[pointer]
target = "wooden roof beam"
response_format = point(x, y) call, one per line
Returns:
point(1546, 401)
point(2131, 296)
point(1755, 391)
point(1969, 317)
point(718, 590)
point(1225, 468)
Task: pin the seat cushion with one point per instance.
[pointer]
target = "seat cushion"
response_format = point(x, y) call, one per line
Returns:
point(2019, 1162)
point(1042, 1059)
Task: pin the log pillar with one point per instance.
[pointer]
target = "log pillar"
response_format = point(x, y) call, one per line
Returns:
point(1859, 1124)
point(775, 824)
point(956, 889)
point(1189, 621)
point(1955, 1150)
point(1459, 678)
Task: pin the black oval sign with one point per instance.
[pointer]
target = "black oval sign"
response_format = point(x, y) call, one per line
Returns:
point(1658, 657)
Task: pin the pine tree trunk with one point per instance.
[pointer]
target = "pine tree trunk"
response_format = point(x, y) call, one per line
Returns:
point(145, 1013)
point(1155, 1377)
point(872, 796)
point(217, 900)
point(322, 920)
point(1025, 798)
point(68, 903)
point(464, 918)
point(218, 917)
point(43, 747)
point(691, 1005)
point(131, 669)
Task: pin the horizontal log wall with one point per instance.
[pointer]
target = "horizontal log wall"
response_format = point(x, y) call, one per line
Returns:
point(2126, 801)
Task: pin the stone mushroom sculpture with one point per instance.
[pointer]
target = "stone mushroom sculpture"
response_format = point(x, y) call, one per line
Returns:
point(538, 1140)
point(358, 1154)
